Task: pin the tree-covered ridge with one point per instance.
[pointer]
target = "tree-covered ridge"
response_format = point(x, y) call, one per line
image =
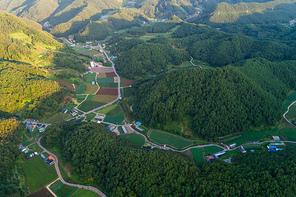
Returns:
point(124, 18)
point(149, 58)
point(277, 11)
point(22, 84)
point(10, 138)
point(119, 168)
point(220, 101)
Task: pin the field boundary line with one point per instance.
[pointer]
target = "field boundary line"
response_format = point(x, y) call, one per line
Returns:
point(47, 187)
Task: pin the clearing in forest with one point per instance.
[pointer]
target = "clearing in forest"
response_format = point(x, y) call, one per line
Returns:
point(134, 138)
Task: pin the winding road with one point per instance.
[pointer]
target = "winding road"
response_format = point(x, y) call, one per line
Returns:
point(61, 177)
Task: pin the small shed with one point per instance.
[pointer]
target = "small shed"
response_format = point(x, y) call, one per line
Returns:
point(138, 123)
point(276, 138)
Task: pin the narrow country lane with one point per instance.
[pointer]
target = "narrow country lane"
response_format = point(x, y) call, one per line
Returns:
point(62, 179)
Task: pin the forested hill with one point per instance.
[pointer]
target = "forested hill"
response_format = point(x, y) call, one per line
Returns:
point(219, 101)
point(10, 138)
point(26, 52)
point(119, 168)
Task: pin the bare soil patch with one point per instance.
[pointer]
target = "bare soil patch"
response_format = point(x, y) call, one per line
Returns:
point(66, 84)
point(112, 74)
point(41, 193)
point(107, 91)
point(127, 82)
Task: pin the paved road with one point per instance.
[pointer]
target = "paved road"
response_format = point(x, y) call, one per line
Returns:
point(61, 177)
point(284, 115)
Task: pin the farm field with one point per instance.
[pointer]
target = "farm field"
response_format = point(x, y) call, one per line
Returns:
point(134, 138)
point(111, 74)
point(120, 130)
point(115, 115)
point(35, 148)
point(30, 137)
point(37, 173)
point(84, 193)
point(212, 149)
point(108, 91)
point(80, 49)
point(290, 99)
point(80, 89)
point(105, 80)
point(290, 134)
point(90, 116)
point(80, 98)
point(102, 75)
point(91, 89)
point(66, 84)
point(106, 109)
point(108, 85)
point(162, 138)
point(62, 190)
point(291, 115)
point(89, 77)
point(127, 82)
point(88, 105)
point(57, 117)
point(104, 98)
point(41, 193)
point(197, 154)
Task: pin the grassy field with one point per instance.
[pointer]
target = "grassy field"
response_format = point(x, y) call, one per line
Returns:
point(37, 173)
point(80, 49)
point(197, 154)
point(134, 138)
point(70, 106)
point(89, 77)
point(169, 139)
point(90, 88)
point(80, 89)
point(85, 193)
point(115, 111)
point(90, 116)
point(62, 190)
point(212, 149)
point(89, 105)
point(173, 127)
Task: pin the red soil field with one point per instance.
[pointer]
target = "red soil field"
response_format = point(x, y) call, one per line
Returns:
point(41, 193)
point(127, 82)
point(107, 91)
point(111, 74)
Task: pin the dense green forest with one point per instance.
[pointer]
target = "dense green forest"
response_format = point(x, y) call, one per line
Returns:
point(220, 101)
point(10, 138)
point(119, 168)
point(149, 58)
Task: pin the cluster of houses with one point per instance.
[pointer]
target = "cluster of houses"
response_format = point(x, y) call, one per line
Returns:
point(98, 119)
point(214, 156)
point(49, 160)
point(23, 149)
point(31, 155)
point(137, 124)
point(73, 112)
point(273, 147)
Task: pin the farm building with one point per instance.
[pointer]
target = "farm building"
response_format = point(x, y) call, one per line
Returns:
point(218, 155)
point(124, 129)
point(276, 138)
point(111, 127)
point(273, 148)
point(31, 155)
point(138, 123)
point(42, 156)
point(74, 112)
point(139, 128)
point(23, 149)
point(241, 148)
point(232, 145)
point(50, 160)
point(210, 158)
point(277, 144)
